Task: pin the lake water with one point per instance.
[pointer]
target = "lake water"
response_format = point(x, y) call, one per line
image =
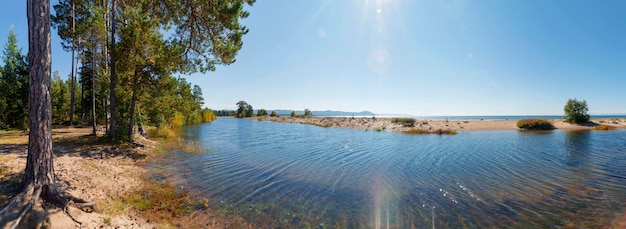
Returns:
point(299, 176)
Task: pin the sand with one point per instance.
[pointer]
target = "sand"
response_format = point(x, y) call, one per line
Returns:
point(385, 124)
point(103, 173)
point(94, 172)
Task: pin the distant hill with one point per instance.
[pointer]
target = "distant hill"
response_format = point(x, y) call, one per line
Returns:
point(325, 113)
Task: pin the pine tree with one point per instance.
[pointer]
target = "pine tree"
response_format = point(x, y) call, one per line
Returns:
point(13, 86)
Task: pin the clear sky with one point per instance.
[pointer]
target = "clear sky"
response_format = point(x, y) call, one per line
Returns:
point(520, 57)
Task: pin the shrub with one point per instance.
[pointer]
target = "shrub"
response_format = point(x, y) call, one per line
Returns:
point(261, 112)
point(422, 131)
point(293, 114)
point(604, 127)
point(162, 132)
point(178, 120)
point(273, 114)
point(208, 115)
point(416, 131)
point(406, 122)
point(534, 124)
point(576, 111)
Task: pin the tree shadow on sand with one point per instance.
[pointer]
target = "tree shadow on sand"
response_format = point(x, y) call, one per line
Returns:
point(66, 143)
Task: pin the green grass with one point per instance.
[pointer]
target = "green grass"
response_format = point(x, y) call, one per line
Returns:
point(535, 124)
point(160, 199)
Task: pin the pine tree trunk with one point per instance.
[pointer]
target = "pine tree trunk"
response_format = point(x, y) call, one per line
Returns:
point(82, 100)
point(131, 124)
point(112, 123)
point(73, 77)
point(93, 88)
point(39, 167)
point(133, 105)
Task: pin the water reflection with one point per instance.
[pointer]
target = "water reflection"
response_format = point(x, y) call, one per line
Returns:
point(577, 144)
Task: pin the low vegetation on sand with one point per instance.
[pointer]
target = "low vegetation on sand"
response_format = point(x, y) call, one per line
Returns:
point(604, 127)
point(406, 122)
point(535, 124)
point(422, 131)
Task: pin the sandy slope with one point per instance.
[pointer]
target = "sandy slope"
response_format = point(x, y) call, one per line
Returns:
point(94, 172)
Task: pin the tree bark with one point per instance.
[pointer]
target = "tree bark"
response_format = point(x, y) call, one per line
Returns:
point(133, 105)
point(39, 166)
point(112, 123)
point(93, 86)
point(73, 77)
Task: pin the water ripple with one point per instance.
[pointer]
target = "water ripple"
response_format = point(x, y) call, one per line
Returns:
point(304, 176)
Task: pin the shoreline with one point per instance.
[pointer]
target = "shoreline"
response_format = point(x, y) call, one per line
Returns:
point(386, 124)
point(115, 176)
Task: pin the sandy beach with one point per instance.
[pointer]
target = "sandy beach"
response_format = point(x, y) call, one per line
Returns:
point(386, 124)
point(105, 173)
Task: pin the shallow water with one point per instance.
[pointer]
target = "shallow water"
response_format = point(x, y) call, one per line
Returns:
point(298, 176)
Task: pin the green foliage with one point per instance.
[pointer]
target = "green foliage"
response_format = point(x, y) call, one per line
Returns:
point(307, 112)
point(209, 32)
point(13, 86)
point(261, 112)
point(576, 111)
point(60, 95)
point(406, 122)
point(535, 124)
point(206, 34)
point(225, 113)
point(162, 132)
point(293, 114)
point(178, 120)
point(249, 111)
point(242, 107)
point(402, 120)
point(208, 115)
point(273, 114)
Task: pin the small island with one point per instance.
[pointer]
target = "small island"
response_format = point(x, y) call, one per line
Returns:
point(387, 124)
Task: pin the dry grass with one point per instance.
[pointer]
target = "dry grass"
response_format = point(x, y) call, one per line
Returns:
point(535, 124)
point(604, 127)
point(159, 202)
point(13, 137)
point(422, 131)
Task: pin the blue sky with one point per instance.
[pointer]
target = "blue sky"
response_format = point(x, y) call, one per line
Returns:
point(415, 57)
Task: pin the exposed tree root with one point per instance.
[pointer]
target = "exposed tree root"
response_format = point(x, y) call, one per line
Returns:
point(27, 208)
point(18, 207)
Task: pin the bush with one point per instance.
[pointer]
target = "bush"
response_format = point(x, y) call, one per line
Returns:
point(421, 131)
point(406, 122)
point(178, 120)
point(534, 124)
point(293, 114)
point(576, 111)
point(261, 112)
point(208, 115)
point(273, 114)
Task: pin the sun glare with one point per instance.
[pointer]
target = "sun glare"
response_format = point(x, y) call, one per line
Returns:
point(375, 18)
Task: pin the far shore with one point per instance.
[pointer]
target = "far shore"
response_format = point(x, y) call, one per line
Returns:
point(386, 124)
